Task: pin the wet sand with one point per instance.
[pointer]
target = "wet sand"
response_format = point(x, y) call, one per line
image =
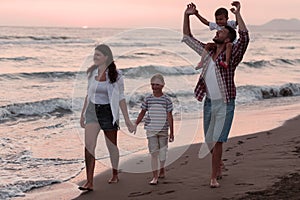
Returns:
point(263, 165)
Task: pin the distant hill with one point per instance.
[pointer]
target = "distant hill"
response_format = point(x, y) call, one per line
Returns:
point(279, 24)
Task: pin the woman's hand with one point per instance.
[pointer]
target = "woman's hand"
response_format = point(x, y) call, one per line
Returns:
point(82, 119)
point(130, 126)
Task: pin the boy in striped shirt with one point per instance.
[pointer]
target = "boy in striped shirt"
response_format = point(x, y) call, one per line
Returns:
point(158, 110)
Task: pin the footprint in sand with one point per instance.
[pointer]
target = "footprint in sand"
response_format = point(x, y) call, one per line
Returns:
point(249, 138)
point(240, 142)
point(246, 184)
point(184, 163)
point(238, 154)
point(166, 192)
point(137, 194)
point(170, 182)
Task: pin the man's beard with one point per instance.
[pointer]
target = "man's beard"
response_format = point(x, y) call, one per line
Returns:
point(218, 41)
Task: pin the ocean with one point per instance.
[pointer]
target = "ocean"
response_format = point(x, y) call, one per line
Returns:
point(43, 85)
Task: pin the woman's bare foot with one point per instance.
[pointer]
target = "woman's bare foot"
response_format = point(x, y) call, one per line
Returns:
point(219, 173)
point(87, 186)
point(214, 183)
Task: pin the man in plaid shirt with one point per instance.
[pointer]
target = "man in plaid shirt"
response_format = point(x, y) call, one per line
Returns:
point(217, 82)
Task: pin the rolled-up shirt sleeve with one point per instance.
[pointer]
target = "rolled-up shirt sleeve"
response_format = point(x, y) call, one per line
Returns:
point(193, 43)
point(121, 88)
point(239, 49)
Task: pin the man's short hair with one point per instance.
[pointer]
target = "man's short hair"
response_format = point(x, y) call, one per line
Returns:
point(231, 33)
point(221, 11)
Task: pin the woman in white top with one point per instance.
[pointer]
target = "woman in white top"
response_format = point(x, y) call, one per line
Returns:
point(101, 111)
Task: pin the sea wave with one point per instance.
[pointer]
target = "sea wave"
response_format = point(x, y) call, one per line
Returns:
point(42, 40)
point(183, 101)
point(141, 71)
point(20, 58)
point(50, 107)
point(245, 94)
point(24, 175)
point(138, 55)
point(19, 188)
point(39, 75)
point(134, 44)
point(250, 93)
point(35, 37)
point(268, 63)
point(146, 71)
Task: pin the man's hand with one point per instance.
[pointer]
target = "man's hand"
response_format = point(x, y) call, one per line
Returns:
point(210, 46)
point(191, 9)
point(237, 6)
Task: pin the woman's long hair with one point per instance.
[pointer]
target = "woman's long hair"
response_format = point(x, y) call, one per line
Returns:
point(112, 68)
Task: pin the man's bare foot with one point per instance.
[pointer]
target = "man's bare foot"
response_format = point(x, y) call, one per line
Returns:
point(162, 173)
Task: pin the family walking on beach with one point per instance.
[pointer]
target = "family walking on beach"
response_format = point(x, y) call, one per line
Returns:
point(105, 95)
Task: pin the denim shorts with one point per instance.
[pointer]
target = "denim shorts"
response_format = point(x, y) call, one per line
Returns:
point(101, 114)
point(217, 119)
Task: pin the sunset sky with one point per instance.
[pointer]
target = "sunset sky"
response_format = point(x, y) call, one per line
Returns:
point(132, 13)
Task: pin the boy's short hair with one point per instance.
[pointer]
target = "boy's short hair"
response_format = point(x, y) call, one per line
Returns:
point(221, 11)
point(231, 33)
point(158, 79)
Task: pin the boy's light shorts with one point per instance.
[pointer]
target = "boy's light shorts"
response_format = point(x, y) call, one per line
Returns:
point(158, 143)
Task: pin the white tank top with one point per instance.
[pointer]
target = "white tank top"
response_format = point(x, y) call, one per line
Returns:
point(212, 86)
point(101, 94)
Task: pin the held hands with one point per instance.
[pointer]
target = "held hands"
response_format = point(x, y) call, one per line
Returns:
point(237, 6)
point(130, 126)
point(191, 9)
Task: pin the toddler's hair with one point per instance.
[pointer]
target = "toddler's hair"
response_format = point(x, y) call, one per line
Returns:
point(221, 11)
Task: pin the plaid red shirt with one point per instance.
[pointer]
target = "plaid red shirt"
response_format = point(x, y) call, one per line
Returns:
point(225, 76)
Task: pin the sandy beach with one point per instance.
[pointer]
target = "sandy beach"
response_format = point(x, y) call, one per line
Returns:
point(262, 165)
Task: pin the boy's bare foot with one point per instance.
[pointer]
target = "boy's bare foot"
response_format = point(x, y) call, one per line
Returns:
point(114, 179)
point(199, 66)
point(224, 64)
point(154, 181)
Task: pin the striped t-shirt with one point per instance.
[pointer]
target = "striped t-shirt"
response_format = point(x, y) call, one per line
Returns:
point(157, 112)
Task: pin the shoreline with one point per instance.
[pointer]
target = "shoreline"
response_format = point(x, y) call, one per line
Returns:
point(265, 156)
